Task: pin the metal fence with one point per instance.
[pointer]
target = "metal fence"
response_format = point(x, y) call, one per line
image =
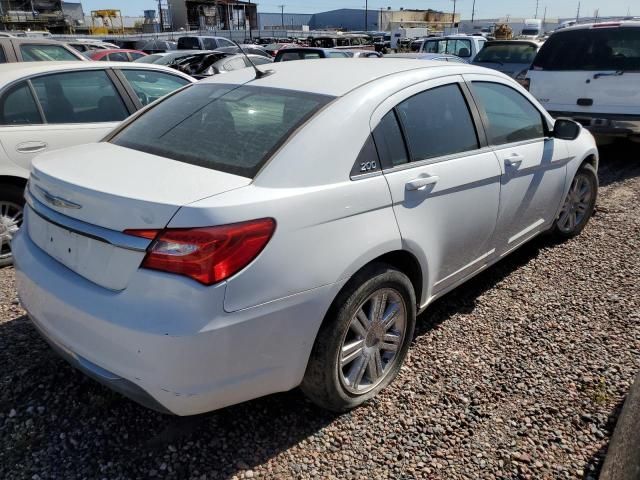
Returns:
point(236, 35)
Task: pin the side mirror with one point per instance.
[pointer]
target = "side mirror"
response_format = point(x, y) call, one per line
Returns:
point(566, 129)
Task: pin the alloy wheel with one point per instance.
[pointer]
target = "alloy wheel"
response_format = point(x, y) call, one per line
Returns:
point(10, 221)
point(372, 342)
point(576, 205)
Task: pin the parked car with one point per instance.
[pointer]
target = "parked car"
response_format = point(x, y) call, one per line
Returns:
point(511, 57)
point(116, 55)
point(427, 56)
point(202, 65)
point(203, 43)
point(250, 49)
point(6, 35)
point(308, 53)
point(362, 53)
point(591, 73)
point(345, 41)
point(90, 47)
point(167, 58)
point(463, 46)
point(235, 240)
point(35, 50)
point(158, 46)
point(49, 105)
point(273, 48)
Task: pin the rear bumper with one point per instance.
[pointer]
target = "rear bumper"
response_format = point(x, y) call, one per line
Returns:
point(605, 124)
point(166, 341)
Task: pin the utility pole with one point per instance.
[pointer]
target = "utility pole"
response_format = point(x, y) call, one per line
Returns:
point(453, 17)
point(366, 16)
point(578, 13)
point(473, 12)
point(282, 14)
point(537, 5)
point(160, 16)
point(544, 18)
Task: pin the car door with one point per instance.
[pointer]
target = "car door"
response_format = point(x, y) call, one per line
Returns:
point(71, 108)
point(533, 165)
point(444, 182)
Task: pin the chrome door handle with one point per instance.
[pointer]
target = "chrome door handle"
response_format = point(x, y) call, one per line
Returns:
point(31, 147)
point(421, 182)
point(514, 161)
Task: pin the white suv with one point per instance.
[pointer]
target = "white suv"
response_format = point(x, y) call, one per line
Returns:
point(591, 73)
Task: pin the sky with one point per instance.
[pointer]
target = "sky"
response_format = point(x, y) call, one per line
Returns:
point(484, 8)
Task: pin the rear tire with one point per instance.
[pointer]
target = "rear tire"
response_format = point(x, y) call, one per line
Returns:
point(363, 341)
point(578, 205)
point(11, 207)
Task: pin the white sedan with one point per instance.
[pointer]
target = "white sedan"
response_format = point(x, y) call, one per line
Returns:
point(50, 105)
point(246, 235)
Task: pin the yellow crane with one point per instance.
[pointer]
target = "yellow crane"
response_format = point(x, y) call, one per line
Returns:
point(105, 22)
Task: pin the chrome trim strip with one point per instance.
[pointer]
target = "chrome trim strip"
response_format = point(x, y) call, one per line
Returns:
point(101, 234)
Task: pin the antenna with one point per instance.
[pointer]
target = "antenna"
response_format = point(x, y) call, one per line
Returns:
point(259, 73)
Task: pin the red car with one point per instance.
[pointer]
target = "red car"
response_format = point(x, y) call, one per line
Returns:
point(116, 55)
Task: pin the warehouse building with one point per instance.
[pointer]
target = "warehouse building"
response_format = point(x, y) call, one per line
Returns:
point(213, 14)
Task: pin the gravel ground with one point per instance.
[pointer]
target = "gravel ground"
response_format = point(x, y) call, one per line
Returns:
point(518, 374)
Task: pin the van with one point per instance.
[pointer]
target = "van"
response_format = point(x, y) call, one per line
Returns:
point(203, 43)
point(591, 73)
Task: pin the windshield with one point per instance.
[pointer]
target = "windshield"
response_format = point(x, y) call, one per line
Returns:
point(531, 31)
point(231, 128)
point(591, 49)
point(507, 53)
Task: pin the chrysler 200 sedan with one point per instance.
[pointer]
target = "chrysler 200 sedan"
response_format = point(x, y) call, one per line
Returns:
point(254, 233)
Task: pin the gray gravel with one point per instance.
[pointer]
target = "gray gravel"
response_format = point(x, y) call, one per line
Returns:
point(520, 373)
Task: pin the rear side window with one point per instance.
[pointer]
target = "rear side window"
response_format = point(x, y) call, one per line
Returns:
point(209, 44)
point(118, 57)
point(17, 107)
point(512, 118)
point(234, 129)
point(135, 55)
point(591, 49)
point(43, 53)
point(79, 97)
point(437, 122)
point(389, 141)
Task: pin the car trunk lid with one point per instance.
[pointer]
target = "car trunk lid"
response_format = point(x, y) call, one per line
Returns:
point(84, 197)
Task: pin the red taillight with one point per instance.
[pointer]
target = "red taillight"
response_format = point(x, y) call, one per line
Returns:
point(208, 255)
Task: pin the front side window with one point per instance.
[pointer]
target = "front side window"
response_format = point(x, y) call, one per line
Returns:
point(460, 48)
point(435, 46)
point(150, 86)
point(512, 118)
point(17, 107)
point(616, 49)
point(43, 53)
point(437, 122)
point(189, 43)
point(337, 55)
point(136, 55)
point(231, 128)
point(79, 97)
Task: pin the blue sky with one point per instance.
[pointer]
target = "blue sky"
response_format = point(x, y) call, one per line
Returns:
point(484, 8)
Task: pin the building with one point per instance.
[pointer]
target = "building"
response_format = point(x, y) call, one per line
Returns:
point(213, 14)
point(37, 15)
point(286, 21)
point(345, 19)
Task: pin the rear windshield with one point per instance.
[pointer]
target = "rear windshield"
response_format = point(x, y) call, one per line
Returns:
point(594, 49)
point(42, 53)
point(507, 53)
point(231, 128)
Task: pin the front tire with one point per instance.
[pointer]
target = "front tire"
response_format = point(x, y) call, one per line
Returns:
point(11, 207)
point(364, 340)
point(578, 205)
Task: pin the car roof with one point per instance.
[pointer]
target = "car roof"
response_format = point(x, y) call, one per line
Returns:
point(10, 72)
point(337, 77)
point(39, 40)
point(515, 41)
point(612, 24)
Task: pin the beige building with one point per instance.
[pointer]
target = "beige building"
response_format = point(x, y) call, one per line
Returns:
point(435, 20)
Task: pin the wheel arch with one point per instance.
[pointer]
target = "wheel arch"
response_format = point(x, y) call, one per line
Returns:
point(19, 182)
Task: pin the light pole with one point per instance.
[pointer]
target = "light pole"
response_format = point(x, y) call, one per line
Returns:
point(282, 14)
point(473, 12)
